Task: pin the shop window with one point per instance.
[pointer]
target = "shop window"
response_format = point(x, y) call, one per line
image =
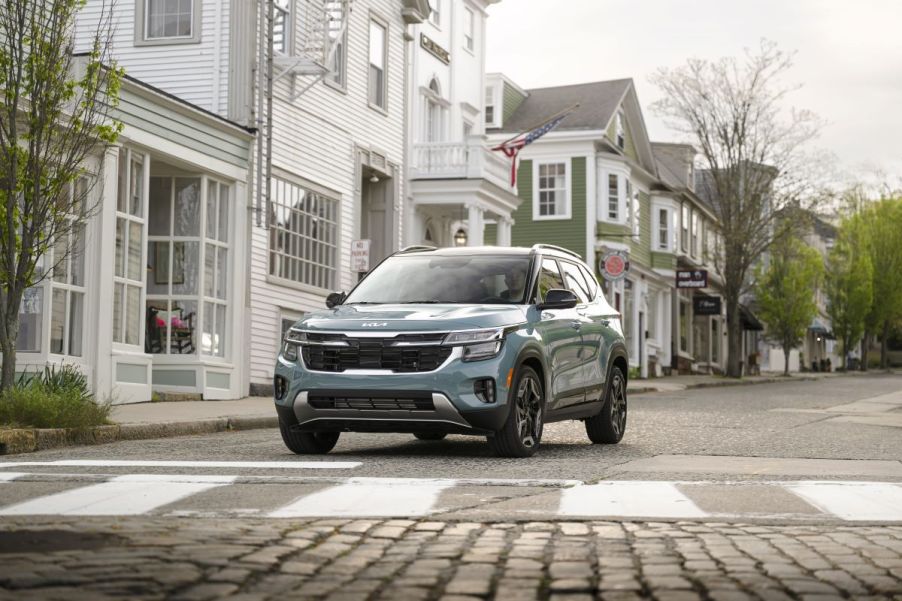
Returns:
point(67, 283)
point(303, 245)
point(188, 266)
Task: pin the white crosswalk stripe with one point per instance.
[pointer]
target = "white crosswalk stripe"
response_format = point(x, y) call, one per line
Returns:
point(308, 496)
point(369, 497)
point(854, 501)
point(264, 465)
point(628, 499)
point(123, 495)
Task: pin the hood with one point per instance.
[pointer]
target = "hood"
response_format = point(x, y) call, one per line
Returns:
point(412, 318)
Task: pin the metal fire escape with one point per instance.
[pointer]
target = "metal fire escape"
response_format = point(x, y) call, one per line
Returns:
point(310, 33)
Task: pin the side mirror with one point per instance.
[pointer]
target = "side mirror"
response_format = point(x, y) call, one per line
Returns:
point(558, 298)
point(334, 299)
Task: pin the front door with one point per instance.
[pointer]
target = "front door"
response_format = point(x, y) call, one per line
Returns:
point(376, 217)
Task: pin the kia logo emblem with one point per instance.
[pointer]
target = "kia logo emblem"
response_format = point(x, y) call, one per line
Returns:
point(374, 324)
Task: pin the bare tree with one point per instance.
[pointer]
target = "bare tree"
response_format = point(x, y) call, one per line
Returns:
point(54, 114)
point(752, 146)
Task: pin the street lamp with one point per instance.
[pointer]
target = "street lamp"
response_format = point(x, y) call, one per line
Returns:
point(460, 237)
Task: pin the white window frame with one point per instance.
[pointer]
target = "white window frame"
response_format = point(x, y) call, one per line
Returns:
point(658, 212)
point(127, 156)
point(302, 255)
point(375, 21)
point(142, 15)
point(568, 204)
point(685, 215)
point(435, 13)
point(493, 92)
point(338, 79)
point(469, 30)
point(66, 286)
point(288, 33)
point(693, 233)
point(613, 218)
point(635, 201)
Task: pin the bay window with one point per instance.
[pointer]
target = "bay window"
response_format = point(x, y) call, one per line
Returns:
point(129, 267)
point(613, 197)
point(684, 228)
point(188, 266)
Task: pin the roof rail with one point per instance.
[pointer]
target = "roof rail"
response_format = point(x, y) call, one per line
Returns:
point(557, 248)
point(416, 247)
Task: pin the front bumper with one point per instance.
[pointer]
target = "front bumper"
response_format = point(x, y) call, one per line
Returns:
point(455, 407)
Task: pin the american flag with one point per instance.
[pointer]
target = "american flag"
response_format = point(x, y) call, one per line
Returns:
point(512, 147)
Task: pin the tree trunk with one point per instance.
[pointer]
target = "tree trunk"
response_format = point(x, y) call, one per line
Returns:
point(8, 346)
point(884, 346)
point(845, 353)
point(786, 351)
point(865, 343)
point(734, 339)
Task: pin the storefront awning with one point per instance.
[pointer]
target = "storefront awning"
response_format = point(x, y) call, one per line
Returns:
point(749, 321)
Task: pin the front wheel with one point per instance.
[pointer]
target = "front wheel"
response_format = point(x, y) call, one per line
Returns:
point(609, 425)
point(522, 431)
point(307, 443)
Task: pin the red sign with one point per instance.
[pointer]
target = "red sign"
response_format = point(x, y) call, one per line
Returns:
point(614, 265)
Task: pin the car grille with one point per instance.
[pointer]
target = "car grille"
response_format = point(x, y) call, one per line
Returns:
point(403, 353)
point(398, 402)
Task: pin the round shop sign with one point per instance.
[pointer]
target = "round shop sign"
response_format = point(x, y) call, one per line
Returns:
point(614, 265)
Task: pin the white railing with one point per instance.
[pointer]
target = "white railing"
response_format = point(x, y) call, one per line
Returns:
point(466, 160)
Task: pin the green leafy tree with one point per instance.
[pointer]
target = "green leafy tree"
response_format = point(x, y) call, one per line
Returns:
point(849, 284)
point(882, 225)
point(54, 115)
point(785, 292)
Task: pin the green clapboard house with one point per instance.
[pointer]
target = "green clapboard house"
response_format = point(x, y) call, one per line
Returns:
point(593, 185)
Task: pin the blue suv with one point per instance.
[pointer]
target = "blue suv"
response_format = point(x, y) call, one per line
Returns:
point(488, 341)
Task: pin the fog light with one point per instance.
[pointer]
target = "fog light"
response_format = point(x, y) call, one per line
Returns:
point(485, 390)
point(280, 387)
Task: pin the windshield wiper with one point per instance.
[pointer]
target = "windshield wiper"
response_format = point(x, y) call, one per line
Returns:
point(422, 302)
point(364, 303)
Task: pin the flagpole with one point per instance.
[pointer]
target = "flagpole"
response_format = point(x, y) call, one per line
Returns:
point(545, 122)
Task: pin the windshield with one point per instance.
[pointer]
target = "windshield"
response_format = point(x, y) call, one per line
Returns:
point(458, 279)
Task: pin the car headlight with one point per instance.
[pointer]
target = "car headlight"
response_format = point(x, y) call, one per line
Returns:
point(477, 344)
point(293, 339)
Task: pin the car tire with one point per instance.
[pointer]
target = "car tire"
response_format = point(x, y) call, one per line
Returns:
point(307, 443)
point(609, 425)
point(521, 433)
point(430, 435)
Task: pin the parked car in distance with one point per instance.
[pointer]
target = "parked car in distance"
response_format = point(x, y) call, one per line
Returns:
point(487, 341)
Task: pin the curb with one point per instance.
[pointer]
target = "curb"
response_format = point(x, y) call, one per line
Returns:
point(724, 383)
point(28, 440)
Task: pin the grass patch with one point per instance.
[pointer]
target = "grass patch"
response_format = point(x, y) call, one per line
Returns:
point(56, 398)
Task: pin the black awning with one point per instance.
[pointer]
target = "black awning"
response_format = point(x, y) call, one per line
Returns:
point(748, 319)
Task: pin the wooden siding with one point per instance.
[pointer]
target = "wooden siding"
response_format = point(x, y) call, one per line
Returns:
point(663, 261)
point(196, 72)
point(629, 147)
point(490, 234)
point(640, 250)
point(315, 138)
point(511, 100)
point(162, 118)
point(615, 231)
point(569, 233)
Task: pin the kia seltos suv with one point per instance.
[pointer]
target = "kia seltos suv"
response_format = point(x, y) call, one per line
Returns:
point(487, 341)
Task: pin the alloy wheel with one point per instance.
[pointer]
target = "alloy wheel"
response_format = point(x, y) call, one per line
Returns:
point(529, 412)
point(618, 405)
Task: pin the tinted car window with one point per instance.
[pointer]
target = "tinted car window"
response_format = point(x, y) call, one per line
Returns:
point(463, 279)
point(575, 282)
point(549, 278)
point(590, 282)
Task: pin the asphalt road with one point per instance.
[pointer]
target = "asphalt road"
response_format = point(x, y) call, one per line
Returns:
point(774, 491)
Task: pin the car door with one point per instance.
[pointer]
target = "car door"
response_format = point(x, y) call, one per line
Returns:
point(605, 316)
point(588, 336)
point(556, 327)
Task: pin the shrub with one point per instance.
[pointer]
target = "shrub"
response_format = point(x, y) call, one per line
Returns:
point(56, 398)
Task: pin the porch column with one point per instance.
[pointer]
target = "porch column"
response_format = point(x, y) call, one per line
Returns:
point(503, 235)
point(475, 225)
point(101, 313)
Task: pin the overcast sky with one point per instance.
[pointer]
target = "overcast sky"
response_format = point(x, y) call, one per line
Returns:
point(848, 62)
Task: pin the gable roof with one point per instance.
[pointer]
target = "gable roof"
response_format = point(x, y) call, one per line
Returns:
point(671, 166)
point(597, 101)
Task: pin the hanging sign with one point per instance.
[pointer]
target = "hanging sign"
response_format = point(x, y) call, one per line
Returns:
point(360, 255)
point(613, 265)
point(430, 46)
point(694, 278)
point(706, 305)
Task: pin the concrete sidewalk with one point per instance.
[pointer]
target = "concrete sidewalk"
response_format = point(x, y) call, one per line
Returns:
point(179, 418)
point(245, 412)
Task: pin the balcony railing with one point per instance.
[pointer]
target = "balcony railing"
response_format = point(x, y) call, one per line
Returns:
point(460, 160)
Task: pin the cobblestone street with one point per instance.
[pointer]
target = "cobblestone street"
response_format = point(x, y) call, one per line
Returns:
point(405, 559)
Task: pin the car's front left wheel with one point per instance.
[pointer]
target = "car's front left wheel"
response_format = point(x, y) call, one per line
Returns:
point(522, 431)
point(307, 443)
